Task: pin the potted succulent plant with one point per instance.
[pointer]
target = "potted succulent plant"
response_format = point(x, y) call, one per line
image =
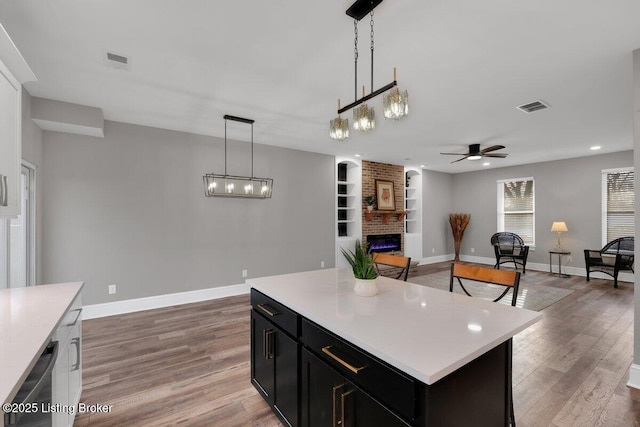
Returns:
point(364, 269)
point(370, 201)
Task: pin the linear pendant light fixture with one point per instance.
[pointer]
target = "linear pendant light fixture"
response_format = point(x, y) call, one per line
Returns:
point(396, 103)
point(248, 187)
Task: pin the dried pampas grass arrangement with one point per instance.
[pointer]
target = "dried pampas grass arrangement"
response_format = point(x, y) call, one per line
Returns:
point(458, 222)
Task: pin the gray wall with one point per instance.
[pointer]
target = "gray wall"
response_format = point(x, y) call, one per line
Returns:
point(565, 190)
point(437, 199)
point(129, 209)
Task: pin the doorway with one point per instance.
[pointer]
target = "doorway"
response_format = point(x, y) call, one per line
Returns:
point(17, 238)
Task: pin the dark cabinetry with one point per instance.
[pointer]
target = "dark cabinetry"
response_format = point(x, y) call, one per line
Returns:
point(330, 400)
point(312, 377)
point(275, 356)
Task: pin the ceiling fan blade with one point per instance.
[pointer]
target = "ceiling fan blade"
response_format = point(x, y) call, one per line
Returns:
point(492, 148)
point(462, 158)
point(456, 154)
point(498, 155)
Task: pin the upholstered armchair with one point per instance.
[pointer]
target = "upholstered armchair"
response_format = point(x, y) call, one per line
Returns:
point(614, 257)
point(510, 247)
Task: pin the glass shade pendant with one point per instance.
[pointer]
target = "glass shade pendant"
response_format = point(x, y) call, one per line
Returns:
point(364, 117)
point(396, 103)
point(339, 127)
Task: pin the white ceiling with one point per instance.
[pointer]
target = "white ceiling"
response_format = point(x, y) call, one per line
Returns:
point(284, 63)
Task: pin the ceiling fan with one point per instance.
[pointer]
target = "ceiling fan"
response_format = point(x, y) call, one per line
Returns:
point(475, 153)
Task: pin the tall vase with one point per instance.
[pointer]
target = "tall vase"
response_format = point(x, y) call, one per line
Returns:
point(456, 249)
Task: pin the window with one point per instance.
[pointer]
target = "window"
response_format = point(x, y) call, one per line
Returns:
point(516, 208)
point(617, 204)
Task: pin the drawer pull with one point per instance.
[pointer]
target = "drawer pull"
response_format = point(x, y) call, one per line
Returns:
point(79, 310)
point(270, 311)
point(327, 350)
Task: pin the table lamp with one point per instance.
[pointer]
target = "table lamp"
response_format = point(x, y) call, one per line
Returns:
point(559, 227)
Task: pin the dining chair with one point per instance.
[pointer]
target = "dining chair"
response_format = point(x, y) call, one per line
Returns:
point(479, 278)
point(393, 262)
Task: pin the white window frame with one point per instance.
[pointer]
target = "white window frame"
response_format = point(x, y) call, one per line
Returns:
point(604, 195)
point(501, 213)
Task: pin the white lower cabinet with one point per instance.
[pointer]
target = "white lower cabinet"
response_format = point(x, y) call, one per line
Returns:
point(67, 372)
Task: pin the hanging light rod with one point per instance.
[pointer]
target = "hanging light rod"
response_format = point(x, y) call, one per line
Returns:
point(238, 119)
point(362, 8)
point(368, 97)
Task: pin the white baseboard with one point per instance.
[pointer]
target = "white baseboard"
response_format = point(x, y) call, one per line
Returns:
point(634, 376)
point(436, 259)
point(94, 311)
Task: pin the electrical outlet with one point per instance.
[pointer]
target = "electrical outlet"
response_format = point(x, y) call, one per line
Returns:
point(321, 264)
point(112, 289)
point(433, 250)
point(473, 250)
point(244, 273)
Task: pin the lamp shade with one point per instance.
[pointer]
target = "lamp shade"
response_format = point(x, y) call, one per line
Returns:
point(559, 226)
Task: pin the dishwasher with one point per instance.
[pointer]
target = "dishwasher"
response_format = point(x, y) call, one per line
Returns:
point(30, 406)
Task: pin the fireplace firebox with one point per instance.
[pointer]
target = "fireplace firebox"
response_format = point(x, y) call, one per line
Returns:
point(384, 242)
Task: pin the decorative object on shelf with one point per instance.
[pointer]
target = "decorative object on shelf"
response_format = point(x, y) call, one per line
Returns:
point(385, 195)
point(458, 222)
point(339, 127)
point(248, 187)
point(559, 227)
point(370, 201)
point(395, 103)
point(364, 269)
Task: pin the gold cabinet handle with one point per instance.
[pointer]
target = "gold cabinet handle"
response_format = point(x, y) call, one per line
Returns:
point(269, 310)
point(343, 398)
point(327, 350)
point(334, 420)
point(267, 350)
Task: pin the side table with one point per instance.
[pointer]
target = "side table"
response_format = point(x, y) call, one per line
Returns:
point(560, 255)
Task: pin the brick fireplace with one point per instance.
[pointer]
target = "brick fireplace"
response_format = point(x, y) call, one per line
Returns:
point(376, 225)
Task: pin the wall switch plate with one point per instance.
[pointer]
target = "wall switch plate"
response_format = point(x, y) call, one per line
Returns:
point(473, 250)
point(433, 250)
point(321, 264)
point(112, 289)
point(244, 273)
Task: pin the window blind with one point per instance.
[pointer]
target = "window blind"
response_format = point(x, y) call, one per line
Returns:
point(518, 209)
point(620, 204)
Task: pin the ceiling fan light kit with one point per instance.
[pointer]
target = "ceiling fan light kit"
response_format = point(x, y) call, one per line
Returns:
point(395, 104)
point(475, 153)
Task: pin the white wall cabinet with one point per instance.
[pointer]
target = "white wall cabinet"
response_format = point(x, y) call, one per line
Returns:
point(10, 143)
point(67, 372)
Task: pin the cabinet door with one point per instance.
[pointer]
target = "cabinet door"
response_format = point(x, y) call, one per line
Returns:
point(286, 376)
point(262, 363)
point(10, 144)
point(60, 384)
point(329, 400)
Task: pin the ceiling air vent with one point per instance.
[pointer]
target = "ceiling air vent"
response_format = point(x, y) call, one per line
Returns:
point(533, 106)
point(120, 62)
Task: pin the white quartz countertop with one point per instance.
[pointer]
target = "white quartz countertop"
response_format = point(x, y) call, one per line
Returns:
point(28, 318)
point(424, 332)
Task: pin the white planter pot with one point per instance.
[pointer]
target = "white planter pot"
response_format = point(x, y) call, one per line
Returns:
point(365, 287)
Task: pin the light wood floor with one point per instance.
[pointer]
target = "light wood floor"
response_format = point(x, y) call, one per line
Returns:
point(189, 365)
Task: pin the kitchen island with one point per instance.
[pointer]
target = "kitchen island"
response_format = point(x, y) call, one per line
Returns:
point(423, 356)
point(30, 318)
